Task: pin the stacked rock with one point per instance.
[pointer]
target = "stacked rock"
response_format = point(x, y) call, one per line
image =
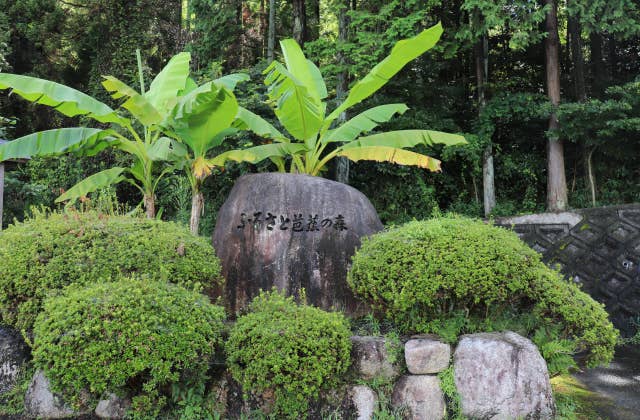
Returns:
point(419, 392)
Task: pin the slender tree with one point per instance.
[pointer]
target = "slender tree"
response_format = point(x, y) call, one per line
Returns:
point(300, 21)
point(271, 37)
point(342, 163)
point(556, 179)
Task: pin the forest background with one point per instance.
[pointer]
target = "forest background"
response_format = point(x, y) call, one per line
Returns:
point(547, 93)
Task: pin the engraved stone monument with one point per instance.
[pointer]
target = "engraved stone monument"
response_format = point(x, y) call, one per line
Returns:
point(291, 232)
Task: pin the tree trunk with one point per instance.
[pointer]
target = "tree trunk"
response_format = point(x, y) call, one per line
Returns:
point(187, 15)
point(591, 176)
point(597, 63)
point(314, 21)
point(574, 30)
point(271, 37)
point(197, 206)
point(150, 206)
point(556, 179)
point(342, 163)
point(575, 36)
point(299, 21)
point(488, 179)
point(263, 27)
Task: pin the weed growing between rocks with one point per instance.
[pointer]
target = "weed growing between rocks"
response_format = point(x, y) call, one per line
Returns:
point(451, 396)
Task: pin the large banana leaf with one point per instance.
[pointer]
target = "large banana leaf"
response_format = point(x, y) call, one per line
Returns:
point(407, 138)
point(402, 53)
point(136, 104)
point(259, 153)
point(202, 114)
point(164, 89)
point(392, 155)
point(54, 142)
point(302, 69)
point(247, 120)
point(299, 111)
point(231, 80)
point(63, 99)
point(93, 183)
point(364, 122)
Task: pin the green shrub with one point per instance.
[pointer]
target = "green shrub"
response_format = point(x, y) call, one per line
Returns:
point(48, 252)
point(130, 337)
point(423, 275)
point(289, 349)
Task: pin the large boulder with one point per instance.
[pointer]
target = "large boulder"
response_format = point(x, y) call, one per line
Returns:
point(502, 376)
point(41, 402)
point(420, 396)
point(13, 354)
point(292, 232)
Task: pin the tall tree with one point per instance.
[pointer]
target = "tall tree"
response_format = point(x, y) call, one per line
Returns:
point(485, 15)
point(300, 21)
point(342, 163)
point(556, 179)
point(271, 36)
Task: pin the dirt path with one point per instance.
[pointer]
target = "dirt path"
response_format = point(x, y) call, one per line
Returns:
point(619, 382)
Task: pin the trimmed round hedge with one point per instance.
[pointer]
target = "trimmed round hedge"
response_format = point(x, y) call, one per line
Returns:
point(290, 349)
point(427, 271)
point(49, 252)
point(130, 337)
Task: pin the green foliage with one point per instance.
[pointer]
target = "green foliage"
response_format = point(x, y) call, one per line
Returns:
point(291, 350)
point(298, 92)
point(438, 274)
point(522, 18)
point(146, 108)
point(558, 352)
point(192, 402)
point(130, 337)
point(5, 49)
point(48, 252)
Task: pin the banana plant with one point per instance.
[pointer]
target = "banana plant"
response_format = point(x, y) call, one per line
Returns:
point(201, 120)
point(298, 93)
point(139, 134)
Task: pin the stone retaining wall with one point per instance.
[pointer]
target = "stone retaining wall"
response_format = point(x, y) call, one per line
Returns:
point(598, 248)
point(497, 375)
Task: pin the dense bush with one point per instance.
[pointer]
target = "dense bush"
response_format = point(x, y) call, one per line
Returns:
point(49, 252)
point(292, 350)
point(423, 274)
point(128, 337)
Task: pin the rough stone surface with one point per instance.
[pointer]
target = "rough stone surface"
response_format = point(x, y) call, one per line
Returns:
point(424, 355)
point(370, 358)
point(502, 376)
point(13, 354)
point(284, 246)
point(420, 396)
point(41, 402)
point(364, 400)
point(598, 248)
point(113, 407)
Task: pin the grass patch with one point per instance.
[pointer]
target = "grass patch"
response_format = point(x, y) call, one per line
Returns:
point(574, 401)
